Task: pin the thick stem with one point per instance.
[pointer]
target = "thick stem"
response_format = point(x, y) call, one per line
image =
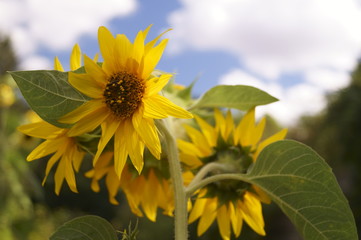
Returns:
point(180, 197)
point(215, 178)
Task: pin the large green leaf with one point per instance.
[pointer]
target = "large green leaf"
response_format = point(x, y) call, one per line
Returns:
point(48, 93)
point(85, 228)
point(238, 96)
point(301, 183)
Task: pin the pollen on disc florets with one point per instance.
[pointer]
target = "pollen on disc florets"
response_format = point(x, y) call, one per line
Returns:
point(123, 94)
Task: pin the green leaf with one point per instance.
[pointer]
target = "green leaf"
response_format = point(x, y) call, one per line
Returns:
point(85, 228)
point(186, 93)
point(49, 93)
point(301, 183)
point(239, 97)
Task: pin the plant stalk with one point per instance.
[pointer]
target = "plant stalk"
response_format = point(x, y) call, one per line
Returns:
point(180, 197)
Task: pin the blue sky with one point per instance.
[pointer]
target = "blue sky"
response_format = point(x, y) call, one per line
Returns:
point(298, 50)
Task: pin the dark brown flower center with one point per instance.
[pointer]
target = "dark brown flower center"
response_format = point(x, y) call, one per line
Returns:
point(123, 94)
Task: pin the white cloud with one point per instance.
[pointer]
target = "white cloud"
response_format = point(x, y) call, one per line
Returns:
point(303, 98)
point(56, 24)
point(272, 36)
point(327, 79)
point(35, 62)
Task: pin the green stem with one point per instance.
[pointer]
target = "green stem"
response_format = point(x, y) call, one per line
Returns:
point(180, 197)
point(227, 176)
point(203, 172)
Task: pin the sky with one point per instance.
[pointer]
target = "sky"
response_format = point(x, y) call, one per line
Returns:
point(297, 50)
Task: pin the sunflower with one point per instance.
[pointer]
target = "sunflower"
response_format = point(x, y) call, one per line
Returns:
point(148, 191)
point(230, 202)
point(124, 98)
point(57, 141)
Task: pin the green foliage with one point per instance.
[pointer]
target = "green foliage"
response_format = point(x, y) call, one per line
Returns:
point(8, 59)
point(87, 228)
point(48, 93)
point(132, 235)
point(304, 187)
point(336, 136)
point(239, 97)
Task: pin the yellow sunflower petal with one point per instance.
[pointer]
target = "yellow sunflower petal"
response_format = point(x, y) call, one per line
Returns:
point(85, 84)
point(208, 216)
point(107, 45)
point(41, 129)
point(252, 213)
point(146, 31)
point(75, 58)
point(152, 110)
point(224, 223)
point(96, 57)
point(123, 49)
point(59, 176)
point(132, 193)
point(109, 126)
point(50, 164)
point(190, 160)
point(199, 140)
point(57, 65)
point(198, 209)
point(236, 220)
point(261, 195)
point(275, 137)
point(137, 53)
point(45, 148)
point(245, 128)
point(189, 148)
point(134, 145)
point(149, 200)
point(95, 72)
point(220, 122)
point(168, 107)
point(120, 150)
point(77, 158)
point(69, 172)
point(229, 125)
point(155, 85)
point(89, 123)
point(81, 112)
point(152, 58)
point(208, 131)
point(258, 132)
point(112, 183)
point(148, 132)
point(151, 44)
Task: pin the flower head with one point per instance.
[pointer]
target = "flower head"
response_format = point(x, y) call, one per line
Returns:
point(145, 192)
point(124, 97)
point(64, 148)
point(229, 202)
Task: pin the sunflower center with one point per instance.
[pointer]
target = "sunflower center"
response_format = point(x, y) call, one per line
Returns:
point(123, 94)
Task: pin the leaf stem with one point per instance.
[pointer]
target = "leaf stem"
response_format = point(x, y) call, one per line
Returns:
point(203, 172)
point(180, 197)
point(226, 176)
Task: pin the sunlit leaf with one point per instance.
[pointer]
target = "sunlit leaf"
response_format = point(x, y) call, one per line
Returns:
point(238, 96)
point(85, 228)
point(48, 93)
point(301, 183)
